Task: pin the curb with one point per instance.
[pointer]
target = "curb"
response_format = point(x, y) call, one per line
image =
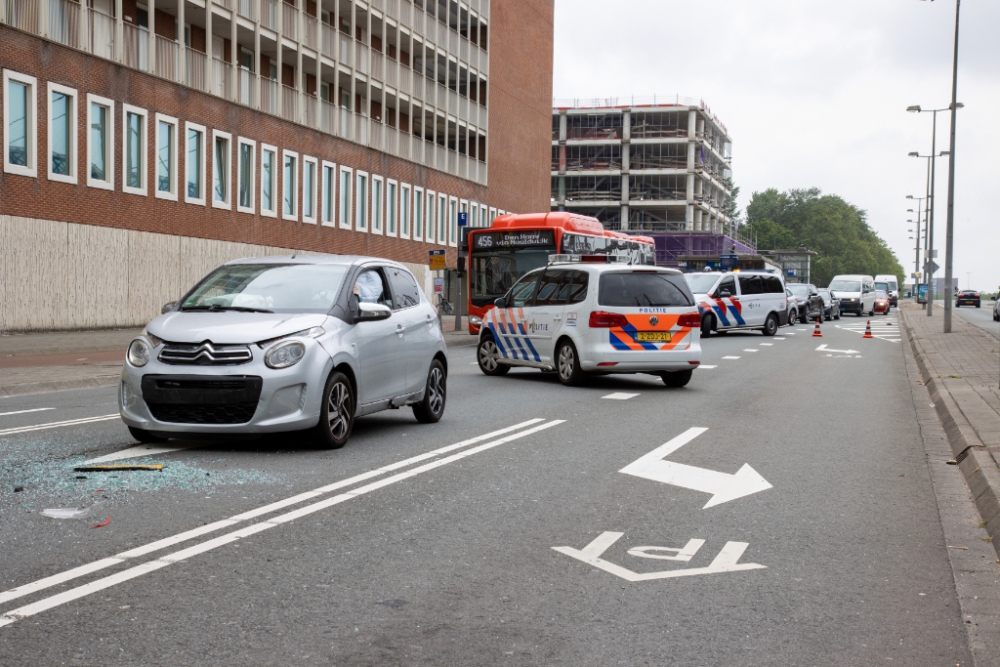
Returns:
point(463, 339)
point(978, 466)
point(61, 385)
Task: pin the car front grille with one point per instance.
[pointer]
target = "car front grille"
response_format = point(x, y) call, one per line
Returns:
point(205, 354)
point(202, 399)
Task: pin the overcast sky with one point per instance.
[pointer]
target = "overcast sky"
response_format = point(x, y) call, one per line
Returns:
point(814, 94)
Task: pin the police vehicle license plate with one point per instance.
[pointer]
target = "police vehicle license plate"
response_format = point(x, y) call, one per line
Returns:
point(645, 336)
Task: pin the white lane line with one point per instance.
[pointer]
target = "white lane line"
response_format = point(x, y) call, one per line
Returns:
point(801, 329)
point(138, 450)
point(82, 570)
point(22, 412)
point(71, 422)
point(767, 344)
point(789, 333)
point(730, 357)
point(151, 566)
point(750, 349)
point(779, 338)
point(704, 366)
point(619, 396)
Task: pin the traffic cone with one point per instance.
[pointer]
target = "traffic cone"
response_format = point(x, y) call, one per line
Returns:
point(816, 332)
point(868, 330)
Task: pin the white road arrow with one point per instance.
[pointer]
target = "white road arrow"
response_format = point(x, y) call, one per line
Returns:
point(824, 348)
point(723, 487)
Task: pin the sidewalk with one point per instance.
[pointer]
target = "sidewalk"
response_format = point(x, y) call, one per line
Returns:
point(40, 362)
point(962, 373)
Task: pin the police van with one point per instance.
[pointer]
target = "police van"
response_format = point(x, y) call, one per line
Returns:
point(739, 300)
point(593, 314)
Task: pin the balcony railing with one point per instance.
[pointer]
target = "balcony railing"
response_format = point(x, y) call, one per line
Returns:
point(405, 77)
point(361, 59)
point(311, 38)
point(64, 22)
point(136, 47)
point(246, 82)
point(228, 4)
point(269, 96)
point(23, 14)
point(269, 14)
point(290, 21)
point(329, 40)
point(289, 103)
point(195, 69)
point(310, 115)
point(346, 124)
point(102, 34)
point(345, 51)
point(361, 129)
point(222, 79)
point(247, 9)
point(167, 55)
point(378, 66)
point(327, 117)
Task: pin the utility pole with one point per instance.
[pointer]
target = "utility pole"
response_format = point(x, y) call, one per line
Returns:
point(949, 234)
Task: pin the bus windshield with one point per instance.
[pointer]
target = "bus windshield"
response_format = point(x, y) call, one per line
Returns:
point(494, 273)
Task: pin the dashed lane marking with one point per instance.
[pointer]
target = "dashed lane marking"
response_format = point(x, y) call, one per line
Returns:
point(709, 367)
point(70, 422)
point(750, 349)
point(24, 412)
point(137, 451)
point(767, 344)
point(619, 396)
point(730, 357)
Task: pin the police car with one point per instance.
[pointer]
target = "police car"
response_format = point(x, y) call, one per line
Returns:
point(739, 300)
point(591, 314)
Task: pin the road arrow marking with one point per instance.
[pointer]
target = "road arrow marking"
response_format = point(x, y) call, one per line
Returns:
point(824, 348)
point(726, 561)
point(723, 487)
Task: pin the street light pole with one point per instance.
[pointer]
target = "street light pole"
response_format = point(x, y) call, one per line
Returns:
point(929, 257)
point(949, 234)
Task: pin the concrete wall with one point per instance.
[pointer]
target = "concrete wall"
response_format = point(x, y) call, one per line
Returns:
point(63, 276)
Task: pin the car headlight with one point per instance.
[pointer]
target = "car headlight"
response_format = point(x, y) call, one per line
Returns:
point(285, 354)
point(138, 353)
point(475, 321)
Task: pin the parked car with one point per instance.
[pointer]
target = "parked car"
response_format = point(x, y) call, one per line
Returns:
point(739, 300)
point(882, 302)
point(810, 303)
point(831, 304)
point(856, 293)
point(968, 297)
point(996, 308)
point(285, 344)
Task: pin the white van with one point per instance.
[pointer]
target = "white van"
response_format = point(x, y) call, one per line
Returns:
point(856, 293)
point(739, 300)
point(891, 287)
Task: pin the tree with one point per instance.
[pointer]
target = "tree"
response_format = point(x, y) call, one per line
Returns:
point(834, 228)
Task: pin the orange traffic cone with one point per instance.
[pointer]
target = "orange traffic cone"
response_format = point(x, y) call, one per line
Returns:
point(868, 330)
point(816, 332)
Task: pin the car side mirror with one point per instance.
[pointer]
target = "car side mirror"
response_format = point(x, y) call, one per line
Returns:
point(167, 307)
point(813, 293)
point(372, 312)
point(500, 303)
point(724, 294)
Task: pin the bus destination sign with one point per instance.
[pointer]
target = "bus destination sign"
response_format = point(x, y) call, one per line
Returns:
point(514, 239)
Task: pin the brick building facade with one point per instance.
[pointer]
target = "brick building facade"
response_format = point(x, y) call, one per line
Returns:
point(150, 137)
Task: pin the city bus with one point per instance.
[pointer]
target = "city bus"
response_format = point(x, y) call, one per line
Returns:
point(515, 244)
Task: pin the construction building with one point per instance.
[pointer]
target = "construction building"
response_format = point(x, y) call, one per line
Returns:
point(147, 141)
point(658, 167)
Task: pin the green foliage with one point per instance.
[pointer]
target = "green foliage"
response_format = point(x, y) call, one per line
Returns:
point(729, 208)
point(835, 229)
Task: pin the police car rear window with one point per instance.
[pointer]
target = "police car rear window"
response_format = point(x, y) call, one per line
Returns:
point(628, 290)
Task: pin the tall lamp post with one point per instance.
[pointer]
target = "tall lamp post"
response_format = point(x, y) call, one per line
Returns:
point(916, 262)
point(929, 255)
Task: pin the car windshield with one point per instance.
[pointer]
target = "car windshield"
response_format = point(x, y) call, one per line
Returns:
point(651, 288)
point(881, 294)
point(277, 288)
point(701, 283)
point(882, 286)
point(799, 290)
point(846, 286)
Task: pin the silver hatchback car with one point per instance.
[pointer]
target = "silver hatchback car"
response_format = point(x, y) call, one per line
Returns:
point(286, 344)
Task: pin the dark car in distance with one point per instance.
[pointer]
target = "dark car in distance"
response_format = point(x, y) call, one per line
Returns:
point(831, 304)
point(811, 305)
point(968, 297)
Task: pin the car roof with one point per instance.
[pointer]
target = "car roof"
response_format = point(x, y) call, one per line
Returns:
point(616, 266)
point(306, 259)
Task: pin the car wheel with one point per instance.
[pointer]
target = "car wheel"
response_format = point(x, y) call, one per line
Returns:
point(677, 379)
point(978, 305)
point(568, 364)
point(431, 409)
point(336, 415)
point(706, 326)
point(871, 313)
point(770, 325)
point(144, 436)
point(488, 356)
point(792, 317)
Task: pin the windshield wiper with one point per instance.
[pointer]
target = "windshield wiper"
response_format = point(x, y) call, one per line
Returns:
point(215, 308)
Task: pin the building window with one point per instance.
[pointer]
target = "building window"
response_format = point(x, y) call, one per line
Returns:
point(462, 207)
point(62, 133)
point(134, 150)
point(194, 163)
point(19, 114)
point(247, 155)
point(328, 185)
point(377, 205)
point(290, 186)
point(100, 149)
point(268, 180)
point(222, 173)
point(345, 197)
point(309, 189)
point(430, 209)
point(404, 211)
point(482, 216)
point(443, 224)
point(361, 217)
point(474, 215)
point(166, 157)
point(418, 214)
point(493, 215)
point(391, 211)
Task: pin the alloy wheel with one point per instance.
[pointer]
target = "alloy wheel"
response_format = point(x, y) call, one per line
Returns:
point(339, 410)
point(566, 362)
point(488, 355)
point(435, 385)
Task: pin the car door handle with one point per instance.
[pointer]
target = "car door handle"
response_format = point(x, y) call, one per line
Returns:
point(400, 329)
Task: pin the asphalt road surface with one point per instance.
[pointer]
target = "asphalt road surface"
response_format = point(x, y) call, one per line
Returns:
point(981, 317)
point(393, 551)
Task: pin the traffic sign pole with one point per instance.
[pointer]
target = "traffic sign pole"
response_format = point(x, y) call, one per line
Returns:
point(463, 222)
